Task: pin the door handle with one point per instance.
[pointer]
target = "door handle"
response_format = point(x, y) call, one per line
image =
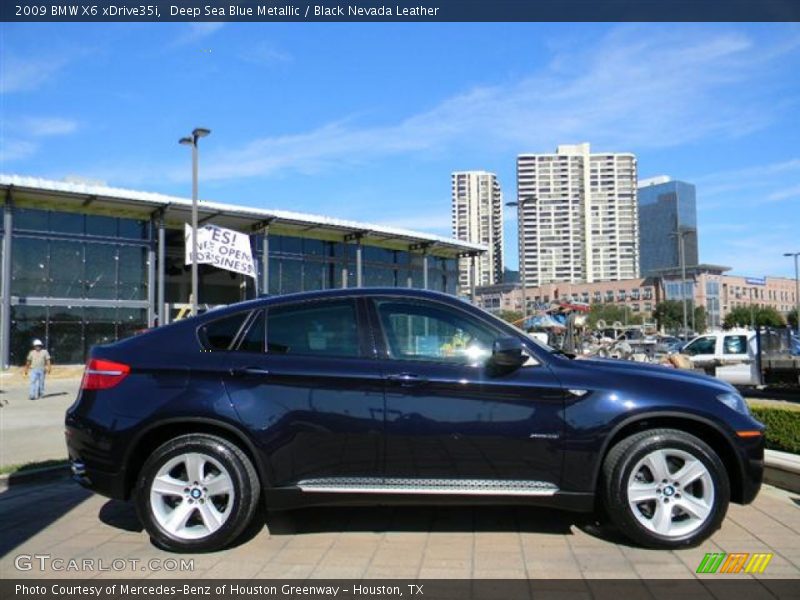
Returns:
point(407, 379)
point(249, 372)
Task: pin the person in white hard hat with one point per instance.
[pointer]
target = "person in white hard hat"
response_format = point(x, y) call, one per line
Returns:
point(37, 364)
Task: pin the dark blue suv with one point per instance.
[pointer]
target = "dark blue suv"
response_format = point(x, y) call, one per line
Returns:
point(390, 395)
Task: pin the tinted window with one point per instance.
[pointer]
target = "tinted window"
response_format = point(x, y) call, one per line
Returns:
point(253, 341)
point(704, 345)
point(219, 334)
point(428, 331)
point(313, 328)
point(735, 344)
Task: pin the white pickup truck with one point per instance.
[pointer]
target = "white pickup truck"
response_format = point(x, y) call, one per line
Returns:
point(727, 355)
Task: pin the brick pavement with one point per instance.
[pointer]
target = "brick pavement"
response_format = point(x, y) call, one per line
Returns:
point(64, 521)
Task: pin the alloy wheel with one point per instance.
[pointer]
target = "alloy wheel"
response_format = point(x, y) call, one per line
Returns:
point(671, 492)
point(192, 496)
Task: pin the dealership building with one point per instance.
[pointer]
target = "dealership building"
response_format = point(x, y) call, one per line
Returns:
point(88, 264)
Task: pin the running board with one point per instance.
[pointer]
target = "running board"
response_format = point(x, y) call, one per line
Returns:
point(396, 485)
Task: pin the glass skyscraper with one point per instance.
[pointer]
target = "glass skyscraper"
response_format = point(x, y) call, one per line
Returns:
point(665, 207)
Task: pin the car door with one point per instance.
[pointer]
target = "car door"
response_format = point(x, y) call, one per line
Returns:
point(313, 400)
point(739, 366)
point(702, 351)
point(449, 417)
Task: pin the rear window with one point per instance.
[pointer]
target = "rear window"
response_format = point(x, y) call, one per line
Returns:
point(735, 344)
point(325, 328)
point(220, 334)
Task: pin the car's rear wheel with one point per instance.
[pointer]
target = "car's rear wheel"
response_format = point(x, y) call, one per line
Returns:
point(665, 488)
point(197, 493)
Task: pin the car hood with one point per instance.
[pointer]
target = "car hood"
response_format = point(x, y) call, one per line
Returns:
point(634, 369)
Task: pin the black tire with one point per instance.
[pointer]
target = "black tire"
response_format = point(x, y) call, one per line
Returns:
point(618, 468)
point(242, 476)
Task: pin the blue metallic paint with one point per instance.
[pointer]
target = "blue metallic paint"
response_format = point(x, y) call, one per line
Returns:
point(318, 417)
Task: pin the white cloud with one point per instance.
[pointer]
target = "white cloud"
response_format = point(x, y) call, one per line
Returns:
point(26, 74)
point(756, 254)
point(48, 126)
point(638, 88)
point(195, 32)
point(13, 149)
point(785, 194)
point(265, 54)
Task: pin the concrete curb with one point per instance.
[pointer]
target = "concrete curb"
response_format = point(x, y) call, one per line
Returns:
point(34, 476)
point(782, 470)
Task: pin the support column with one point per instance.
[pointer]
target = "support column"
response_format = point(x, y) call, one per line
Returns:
point(359, 265)
point(356, 237)
point(473, 274)
point(5, 283)
point(152, 309)
point(265, 261)
point(161, 272)
point(425, 269)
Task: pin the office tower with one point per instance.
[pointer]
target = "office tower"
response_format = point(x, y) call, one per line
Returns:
point(666, 206)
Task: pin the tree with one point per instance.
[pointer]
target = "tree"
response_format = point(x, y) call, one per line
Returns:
point(700, 319)
point(767, 316)
point(760, 316)
point(669, 314)
point(511, 316)
point(611, 313)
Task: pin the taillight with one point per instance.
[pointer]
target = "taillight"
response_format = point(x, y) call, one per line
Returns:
point(103, 374)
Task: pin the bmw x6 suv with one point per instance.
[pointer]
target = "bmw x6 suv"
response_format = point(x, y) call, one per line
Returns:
point(399, 396)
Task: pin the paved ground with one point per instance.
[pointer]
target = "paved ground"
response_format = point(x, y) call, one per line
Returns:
point(33, 430)
point(63, 521)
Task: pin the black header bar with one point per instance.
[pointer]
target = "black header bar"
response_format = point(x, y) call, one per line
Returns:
point(398, 10)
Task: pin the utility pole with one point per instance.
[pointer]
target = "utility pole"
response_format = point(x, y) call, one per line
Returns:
point(521, 244)
point(796, 288)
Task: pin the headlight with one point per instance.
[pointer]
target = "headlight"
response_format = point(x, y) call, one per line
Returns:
point(735, 401)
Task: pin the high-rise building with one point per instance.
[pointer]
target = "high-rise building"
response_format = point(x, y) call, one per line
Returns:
point(579, 218)
point(666, 207)
point(478, 218)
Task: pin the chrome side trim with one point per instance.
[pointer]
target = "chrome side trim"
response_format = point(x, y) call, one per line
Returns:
point(468, 487)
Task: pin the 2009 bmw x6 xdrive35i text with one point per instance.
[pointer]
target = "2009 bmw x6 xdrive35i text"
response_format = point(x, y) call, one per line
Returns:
point(389, 395)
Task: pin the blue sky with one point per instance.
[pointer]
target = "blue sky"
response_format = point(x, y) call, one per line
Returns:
point(367, 121)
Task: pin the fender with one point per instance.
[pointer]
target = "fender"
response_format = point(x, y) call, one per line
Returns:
point(226, 425)
point(655, 415)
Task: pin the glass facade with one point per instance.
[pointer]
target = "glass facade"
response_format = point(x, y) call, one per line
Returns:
point(663, 209)
point(672, 290)
point(76, 280)
point(81, 279)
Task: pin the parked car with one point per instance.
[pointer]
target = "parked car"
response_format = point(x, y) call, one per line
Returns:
point(393, 395)
point(668, 344)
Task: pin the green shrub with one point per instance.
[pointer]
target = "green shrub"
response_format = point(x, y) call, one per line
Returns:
point(783, 427)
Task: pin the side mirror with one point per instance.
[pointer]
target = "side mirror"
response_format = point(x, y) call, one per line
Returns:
point(508, 352)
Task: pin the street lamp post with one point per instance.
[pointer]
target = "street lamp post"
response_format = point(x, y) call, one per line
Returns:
point(796, 287)
point(681, 233)
point(521, 243)
point(192, 140)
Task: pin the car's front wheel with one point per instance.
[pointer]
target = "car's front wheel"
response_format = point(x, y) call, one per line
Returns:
point(196, 493)
point(665, 488)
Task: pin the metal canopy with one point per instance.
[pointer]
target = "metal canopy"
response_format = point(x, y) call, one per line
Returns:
point(96, 199)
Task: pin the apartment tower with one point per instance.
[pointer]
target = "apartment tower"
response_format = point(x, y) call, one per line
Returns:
point(477, 216)
point(579, 220)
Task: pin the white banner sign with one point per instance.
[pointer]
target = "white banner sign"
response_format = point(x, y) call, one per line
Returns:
point(223, 248)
